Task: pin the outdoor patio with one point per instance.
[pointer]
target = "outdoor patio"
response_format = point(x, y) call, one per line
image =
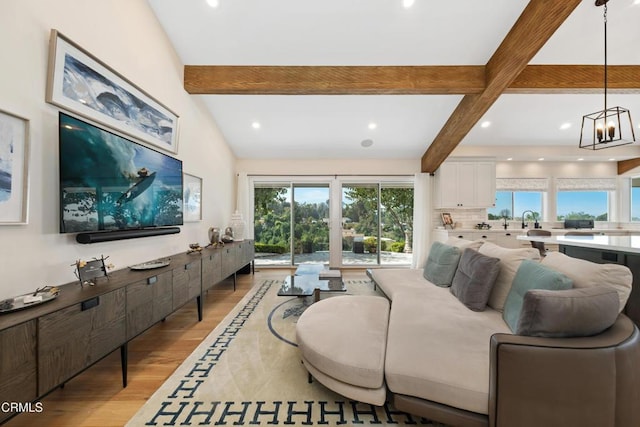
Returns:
point(348, 258)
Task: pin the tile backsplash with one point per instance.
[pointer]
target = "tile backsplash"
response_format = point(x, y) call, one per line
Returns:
point(468, 218)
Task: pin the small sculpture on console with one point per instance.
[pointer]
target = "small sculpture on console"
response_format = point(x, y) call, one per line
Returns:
point(214, 238)
point(88, 272)
point(228, 235)
point(194, 248)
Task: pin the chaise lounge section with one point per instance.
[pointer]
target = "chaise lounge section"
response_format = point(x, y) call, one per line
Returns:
point(573, 360)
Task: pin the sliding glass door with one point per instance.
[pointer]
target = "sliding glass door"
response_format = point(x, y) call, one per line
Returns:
point(360, 225)
point(377, 223)
point(335, 221)
point(311, 223)
point(272, 223)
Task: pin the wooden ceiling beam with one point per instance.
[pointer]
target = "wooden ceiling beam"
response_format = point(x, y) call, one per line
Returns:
point(333, 80)
point(625, 166)
point(576, 79)
point(537, 23)
point(402, 80)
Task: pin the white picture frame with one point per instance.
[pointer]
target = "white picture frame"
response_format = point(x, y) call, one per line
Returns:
point(14, 169)
point(192, 198)
point(81, 83)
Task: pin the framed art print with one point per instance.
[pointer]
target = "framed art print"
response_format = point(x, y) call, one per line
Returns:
point(14, 168)
point(81, 83)
point(447, 220)
point(192, 209)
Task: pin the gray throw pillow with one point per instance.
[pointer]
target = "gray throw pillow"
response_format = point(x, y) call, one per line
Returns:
point(530, 275)
point(577, 312)
point(474, 279)
point(441, 264)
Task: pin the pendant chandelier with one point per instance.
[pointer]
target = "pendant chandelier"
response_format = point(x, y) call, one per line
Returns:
point(612, 126)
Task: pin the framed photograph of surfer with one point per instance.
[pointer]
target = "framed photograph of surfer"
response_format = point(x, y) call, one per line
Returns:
point(81, 83)
point(14, 165)
point(192, 210)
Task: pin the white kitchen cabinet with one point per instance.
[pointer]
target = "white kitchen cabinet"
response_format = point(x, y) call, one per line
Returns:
point(465, 185)
point(474, 235)
point(508, 239)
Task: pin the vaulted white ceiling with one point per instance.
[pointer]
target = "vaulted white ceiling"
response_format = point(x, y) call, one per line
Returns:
point(383, 32)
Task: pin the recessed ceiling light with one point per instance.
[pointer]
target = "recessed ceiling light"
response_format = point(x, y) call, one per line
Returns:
point(509, 158)
point(367, 143)
point(636, 2)
point(580, 159)
point(540, 159)
point(407, 3)
point(212, 3)
point(485, 124)
point(612, 159)
point(565, 126)
point(255, 125)
point(373, 125)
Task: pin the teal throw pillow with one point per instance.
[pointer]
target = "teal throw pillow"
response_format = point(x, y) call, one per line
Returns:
point(531, 275)
point(442, 264)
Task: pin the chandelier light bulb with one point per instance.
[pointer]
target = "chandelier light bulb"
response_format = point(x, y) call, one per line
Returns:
point(599, 131)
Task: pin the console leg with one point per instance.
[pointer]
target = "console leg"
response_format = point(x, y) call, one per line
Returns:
point(199, 305)
point(123, 362)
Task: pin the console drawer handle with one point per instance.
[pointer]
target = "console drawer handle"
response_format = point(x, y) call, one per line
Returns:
point(90, 303)
point(151, 280)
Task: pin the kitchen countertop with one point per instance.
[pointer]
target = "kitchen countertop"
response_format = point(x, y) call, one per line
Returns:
point(611, 243)
point(554, 231)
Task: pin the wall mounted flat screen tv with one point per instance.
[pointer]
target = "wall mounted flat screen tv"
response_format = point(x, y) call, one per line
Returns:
point(108, 182)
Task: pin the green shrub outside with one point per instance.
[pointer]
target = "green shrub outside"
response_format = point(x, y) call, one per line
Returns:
point(273, 249)
point(397, 247)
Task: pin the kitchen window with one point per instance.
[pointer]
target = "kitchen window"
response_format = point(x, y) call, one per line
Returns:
point(635, 199)
point(584, 198)
point(583, 205)
point(512, 204)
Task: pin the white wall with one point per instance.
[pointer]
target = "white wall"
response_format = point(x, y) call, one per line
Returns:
point(125, 35)
point(544, 169)
point(329, 167)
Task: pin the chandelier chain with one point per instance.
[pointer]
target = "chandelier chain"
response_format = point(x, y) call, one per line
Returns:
point(605, 57)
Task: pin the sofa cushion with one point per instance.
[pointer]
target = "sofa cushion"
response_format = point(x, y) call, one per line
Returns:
point(355, 354)
point(576, 312)
point(464, 243)
point(510, 260)
point(438, 349)
point(442, 264)
point(530, 275)
point(587, 274)
point(474, 279)
point(394, 280)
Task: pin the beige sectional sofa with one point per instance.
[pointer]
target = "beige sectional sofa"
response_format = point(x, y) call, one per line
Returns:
point(458, 366)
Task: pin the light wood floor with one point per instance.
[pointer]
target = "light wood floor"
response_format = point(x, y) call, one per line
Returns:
point(96, 397)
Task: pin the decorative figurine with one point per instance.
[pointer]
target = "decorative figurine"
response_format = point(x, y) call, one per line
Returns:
point(214, 237)
point(228, 235)
point(88, 272)
point(194, 247)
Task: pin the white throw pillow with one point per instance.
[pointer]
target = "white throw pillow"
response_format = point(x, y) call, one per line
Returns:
point(587, 274)
point(510, 260)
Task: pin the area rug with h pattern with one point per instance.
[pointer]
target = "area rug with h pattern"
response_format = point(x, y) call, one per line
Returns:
point(248, 372)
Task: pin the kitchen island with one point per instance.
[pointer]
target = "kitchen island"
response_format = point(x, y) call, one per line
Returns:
point(624, 250)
